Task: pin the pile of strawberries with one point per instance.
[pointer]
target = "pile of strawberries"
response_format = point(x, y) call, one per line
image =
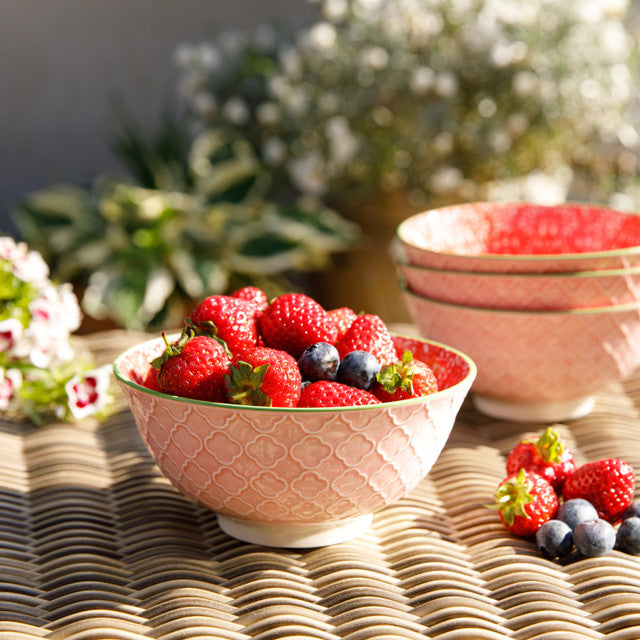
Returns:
point(546, 496)
point(245, 349)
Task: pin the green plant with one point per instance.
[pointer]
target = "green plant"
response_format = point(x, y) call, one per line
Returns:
point(194, 218)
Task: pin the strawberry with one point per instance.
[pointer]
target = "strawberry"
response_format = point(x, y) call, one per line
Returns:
point(368, 332)
point(525, 501)
point(545, 455)
point(264, 377)
point(252, 294)
point(194, 366)
point(325, 393)
point(150, 379)
point(293, 321)
point(230, 319)
point(608, 484)
point(343, 317)
point(406, 378)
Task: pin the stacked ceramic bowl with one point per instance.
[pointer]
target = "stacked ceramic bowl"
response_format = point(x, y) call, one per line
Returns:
point(544, 299)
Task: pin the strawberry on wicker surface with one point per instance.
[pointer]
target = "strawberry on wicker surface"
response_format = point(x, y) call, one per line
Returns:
point(525, 501)
point(265, 377)
point(546, 455)
point(368, 332)
point(193, 367)
point(326, 393)
point(293, 321)
point(406, 378)
point(608, 484)
point(233, 320)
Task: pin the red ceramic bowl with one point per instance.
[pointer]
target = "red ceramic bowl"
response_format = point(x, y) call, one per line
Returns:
point(296, 477)
point(521, 237)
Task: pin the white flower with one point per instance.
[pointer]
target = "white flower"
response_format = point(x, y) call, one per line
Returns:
point(10, 383)
point(236, 111)
point(335, 10)
point(321, 36)
point(374, 58)
point(291, 63)
point(446, 180)
point(422, 80)
point(343, 145)
point(308, 173)
point(446, 84)
point(268, 113)
point(274, 151)
point(88, 393)
point(26, 265)
point(11, 331)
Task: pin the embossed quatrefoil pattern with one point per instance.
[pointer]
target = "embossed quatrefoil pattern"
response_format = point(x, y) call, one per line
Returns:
point(537, 356)
point(297, 466)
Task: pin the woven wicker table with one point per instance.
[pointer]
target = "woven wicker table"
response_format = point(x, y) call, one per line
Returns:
point(95, 544)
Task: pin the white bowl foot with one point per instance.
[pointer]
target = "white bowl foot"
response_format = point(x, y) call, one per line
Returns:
point(295, 536)
point(552, 411)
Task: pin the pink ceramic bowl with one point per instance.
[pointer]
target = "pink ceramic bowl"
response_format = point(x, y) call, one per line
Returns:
point(296, 477)
point(524, 291)
point(536, 365)
point(521, 237)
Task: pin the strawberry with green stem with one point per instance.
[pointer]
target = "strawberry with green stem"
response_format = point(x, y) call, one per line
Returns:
point(264, 377)
point(546, 455)
point(404, 379)
point(193, 366)
point(525, 501)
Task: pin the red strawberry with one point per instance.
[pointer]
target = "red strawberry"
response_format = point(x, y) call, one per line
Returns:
point(406, 378)
point(525, 501)
point(227, 318)
point(150, 379)
point(608, 484)
point(293, 321)
point(343, 317)
point(368, 332)
point(325, 393)
point(193, 367)
point(545, 455)
point(264, 377)
point(253, 294)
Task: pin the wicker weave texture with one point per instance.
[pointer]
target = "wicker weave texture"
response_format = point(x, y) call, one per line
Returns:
point(96, 545)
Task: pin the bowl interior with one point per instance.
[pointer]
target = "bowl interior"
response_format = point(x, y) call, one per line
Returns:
point(521, 229)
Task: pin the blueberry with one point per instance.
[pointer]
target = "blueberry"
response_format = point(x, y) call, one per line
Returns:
point(628, 536)
point(632, 510)
point(594, 538)
point(358, 369)
point(555, 539)
point(319, 362)
point(575, 511)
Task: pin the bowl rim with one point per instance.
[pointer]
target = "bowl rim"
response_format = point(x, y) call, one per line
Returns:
point(466, 380)
point(518, 257)
point(578, 311)
point(555, 275)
